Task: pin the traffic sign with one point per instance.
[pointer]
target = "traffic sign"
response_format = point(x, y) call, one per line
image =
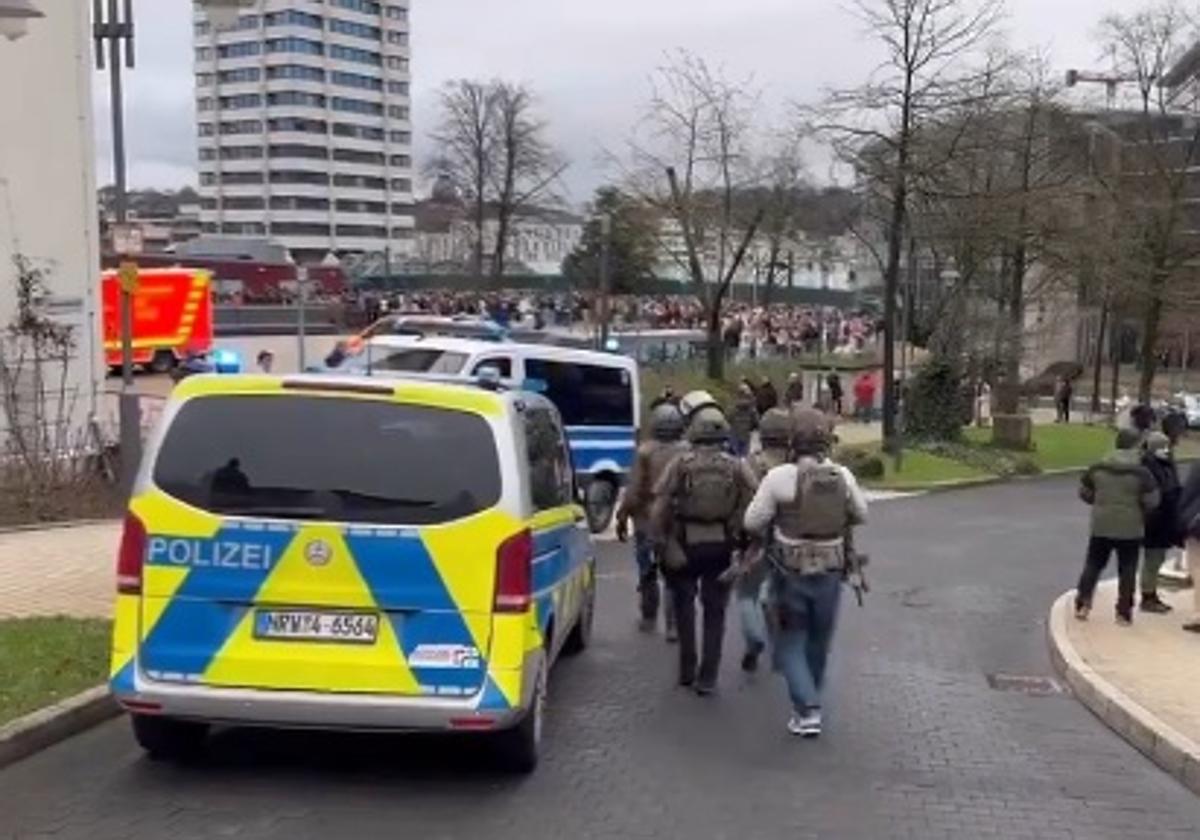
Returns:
point(128, 272)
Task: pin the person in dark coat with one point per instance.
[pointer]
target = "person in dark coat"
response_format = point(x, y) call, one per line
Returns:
point(1189, 524)
point(1162, 523)
point(836, 393)
point(795, 391)
point(766, 396)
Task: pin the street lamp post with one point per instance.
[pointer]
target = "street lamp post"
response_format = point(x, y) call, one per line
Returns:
point(112, 31)
point(605, 279)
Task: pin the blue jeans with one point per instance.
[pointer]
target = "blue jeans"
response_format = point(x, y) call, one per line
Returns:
point(808, 608)
point(750, 604)
point(649, 594)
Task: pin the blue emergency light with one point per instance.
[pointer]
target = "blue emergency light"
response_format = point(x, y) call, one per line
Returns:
point(227, 361)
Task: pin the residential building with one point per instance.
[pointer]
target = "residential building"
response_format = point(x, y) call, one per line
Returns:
point(48, 217)
point(304, 126)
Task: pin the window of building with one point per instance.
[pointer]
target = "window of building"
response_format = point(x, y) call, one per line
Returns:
point(204, 53)
point(241, 100)
point(296, 71)
point(208, 227)
point(208, 204)
point(357, 106)
point(355, 29)
point(204, 79)
point(297, 124)
point(296, 97)
point(244, 228)
point(241, 178)
point(354, 54)
point(246, 22)
point(401, 160)
point(291, 176)
point(299, 229)
point(292, 17)
point(298, 202)
point(367, 7)
point(206, 129)
point(242, 202)
point(302, 46)
point(241, 74)
point(362, 182)
point(202, 27)
point(403, 137)
point(356, 80)
point(297, 150)
point(371, 231)
point(403, 233)
point(398, 38)
point(403, 185)
point(398, 112)
point(401, 208)
point(241, 127)
point(241, 152)
point(399, 88)
point(363, 132)
point(241, 49)
point(397, 12)
point(357, 156)
point(204, 103)
point(397, 62)
point(350, 206)
point(208, 154)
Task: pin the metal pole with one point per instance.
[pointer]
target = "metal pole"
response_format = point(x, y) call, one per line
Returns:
point(301, 315)
point(111, 32)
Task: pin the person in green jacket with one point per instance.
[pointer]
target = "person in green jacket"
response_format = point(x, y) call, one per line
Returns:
point(1120, 491)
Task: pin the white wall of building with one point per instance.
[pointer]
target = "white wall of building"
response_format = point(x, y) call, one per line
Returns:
point(47, 184)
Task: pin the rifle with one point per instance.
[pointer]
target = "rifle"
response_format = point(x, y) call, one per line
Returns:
point(856, 564)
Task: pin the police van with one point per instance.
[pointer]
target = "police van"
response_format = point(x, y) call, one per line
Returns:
point(596, 393)
point(349, 553)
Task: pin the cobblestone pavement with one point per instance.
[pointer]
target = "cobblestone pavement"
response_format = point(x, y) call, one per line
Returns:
point(58, 571)
point(1155, 663)
point(918, 745)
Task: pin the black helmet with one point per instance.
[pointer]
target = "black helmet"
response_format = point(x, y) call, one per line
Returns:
point(776, 429)
point(666, 423)
point(708, 426)
point(812, 432)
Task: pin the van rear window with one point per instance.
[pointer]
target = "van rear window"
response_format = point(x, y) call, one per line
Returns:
point(585, 395)
point(329, 459)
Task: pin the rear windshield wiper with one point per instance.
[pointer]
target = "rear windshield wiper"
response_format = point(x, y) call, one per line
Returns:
point(277, 511)
point(382, 501)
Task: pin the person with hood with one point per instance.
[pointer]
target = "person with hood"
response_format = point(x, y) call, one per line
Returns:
point(794, 393)
point(743, 420)
point(1189, 522)
point(1120, 492)
point(1162, 523)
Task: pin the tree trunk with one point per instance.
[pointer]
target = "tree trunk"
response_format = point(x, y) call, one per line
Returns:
point(1009, 401)
point(480, 213)
point(716, 344)
point(1114, 346)
point(502, 224)
point(1151, 326)
point(1098, 361)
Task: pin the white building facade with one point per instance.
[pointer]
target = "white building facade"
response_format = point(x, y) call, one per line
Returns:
point(304, 126)
point(48, 209)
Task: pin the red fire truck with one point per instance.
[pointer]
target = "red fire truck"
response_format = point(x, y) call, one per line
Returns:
point(172, 316)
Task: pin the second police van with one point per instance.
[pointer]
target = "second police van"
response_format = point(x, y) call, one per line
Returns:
point(596, 393)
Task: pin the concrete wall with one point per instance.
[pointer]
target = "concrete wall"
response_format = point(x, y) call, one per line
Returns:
point(47, 184)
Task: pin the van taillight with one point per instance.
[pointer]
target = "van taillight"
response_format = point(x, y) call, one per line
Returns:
point(131, 556)
point(514, 574)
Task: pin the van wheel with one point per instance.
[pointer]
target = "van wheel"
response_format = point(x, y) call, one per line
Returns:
point(163, 361)
point(600, 503)
point(164, 739)
point(520, 747)
point(581, 634)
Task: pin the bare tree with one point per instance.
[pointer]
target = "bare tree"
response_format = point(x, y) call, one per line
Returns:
point(466, 141)
point(690, 158)
point(1153, 180)
point(527, 164)
point(926, 43)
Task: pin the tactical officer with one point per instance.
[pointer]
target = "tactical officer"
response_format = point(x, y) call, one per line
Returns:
point(808, 508)
point(698, 509)
point(775, 432)
point(653, 457)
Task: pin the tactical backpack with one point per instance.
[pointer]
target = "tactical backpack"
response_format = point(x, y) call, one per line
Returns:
point(708, 488)
point(821, 493)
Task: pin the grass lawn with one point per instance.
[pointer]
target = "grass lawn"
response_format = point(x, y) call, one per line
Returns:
point(44, 660)
point(921, 469)
point(1061, 447)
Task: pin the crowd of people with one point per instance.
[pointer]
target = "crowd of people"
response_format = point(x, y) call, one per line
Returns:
point(1140, 511)
point(775, 526)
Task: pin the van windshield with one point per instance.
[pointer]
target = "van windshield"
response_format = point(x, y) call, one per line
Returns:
point(329, 459)
point(406, 360)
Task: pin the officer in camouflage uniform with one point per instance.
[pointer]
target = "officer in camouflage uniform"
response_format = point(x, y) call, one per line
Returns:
point(807, 509)
point(653, 458)
point(775, 433)
point(698, 507)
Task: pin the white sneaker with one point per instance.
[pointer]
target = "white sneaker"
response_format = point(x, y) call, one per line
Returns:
point(807, 725)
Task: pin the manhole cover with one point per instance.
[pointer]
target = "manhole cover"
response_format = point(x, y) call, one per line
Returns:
point(1026, 684)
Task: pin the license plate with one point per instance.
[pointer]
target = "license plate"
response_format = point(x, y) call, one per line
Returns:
point(315, 626)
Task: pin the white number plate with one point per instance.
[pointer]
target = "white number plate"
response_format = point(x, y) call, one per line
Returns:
point(313, 626)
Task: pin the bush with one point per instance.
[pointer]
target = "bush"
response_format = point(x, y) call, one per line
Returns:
point(1026, 466)
point(934, 403)
point(863, 463)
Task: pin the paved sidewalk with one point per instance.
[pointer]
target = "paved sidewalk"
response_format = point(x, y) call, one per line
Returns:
point(59, 571)
point(1144, 680)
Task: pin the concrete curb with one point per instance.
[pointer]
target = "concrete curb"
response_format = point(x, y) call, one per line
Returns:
point(66, 525)
point(1170, 749)
point(46, 727)
point(983, 481)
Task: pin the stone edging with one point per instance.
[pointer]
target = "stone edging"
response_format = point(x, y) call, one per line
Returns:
point(1170, 749)
point(46, 727)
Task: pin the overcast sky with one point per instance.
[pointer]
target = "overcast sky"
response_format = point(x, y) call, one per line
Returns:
point(588, 61)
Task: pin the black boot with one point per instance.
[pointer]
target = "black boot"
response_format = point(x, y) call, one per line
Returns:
point(1151, 603)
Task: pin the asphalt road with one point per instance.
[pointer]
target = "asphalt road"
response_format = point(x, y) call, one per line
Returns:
point(918, 744)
